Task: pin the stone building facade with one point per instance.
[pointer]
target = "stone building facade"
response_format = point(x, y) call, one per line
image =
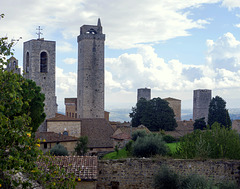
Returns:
point(144, 93)
point(90, 85)
point(39, 66)
point(13, 65)
point(201, 101)
point(175, 104)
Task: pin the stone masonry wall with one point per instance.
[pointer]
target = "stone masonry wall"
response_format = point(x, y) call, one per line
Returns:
point(139, 173)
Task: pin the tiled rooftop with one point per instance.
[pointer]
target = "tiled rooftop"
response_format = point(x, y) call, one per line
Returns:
point(84, 167)
point(54, 137)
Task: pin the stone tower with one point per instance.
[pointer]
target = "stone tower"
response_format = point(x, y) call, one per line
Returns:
point(90, 86)
point(39, 66)
point(201, 101)
point(13, 65)
point(175, 104)
point(144, 93)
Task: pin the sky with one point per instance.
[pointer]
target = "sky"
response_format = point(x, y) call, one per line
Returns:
point(170, 46)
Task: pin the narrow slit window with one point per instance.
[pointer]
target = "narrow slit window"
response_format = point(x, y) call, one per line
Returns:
point(27, 62)
point(43, 62)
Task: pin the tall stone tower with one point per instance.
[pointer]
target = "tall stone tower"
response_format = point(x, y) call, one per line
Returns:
point(13, 65)
point(201, 101)
point(144, 93)
point(39, 66)
point(90, 86)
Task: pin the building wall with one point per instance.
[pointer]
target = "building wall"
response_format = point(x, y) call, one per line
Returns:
point(139, 173)
point(69, 145)
point(175, 104)
point(90, 86)
point(236, 125)
point(72, 127)
point(144, 93)
point(86, 185)
point(45, 80)
point(201, 101)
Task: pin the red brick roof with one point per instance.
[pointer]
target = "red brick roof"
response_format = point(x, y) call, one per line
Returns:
point(61, 117)
point(122, 136)
point(98, 131)
point(84, 167)
point(54, 137)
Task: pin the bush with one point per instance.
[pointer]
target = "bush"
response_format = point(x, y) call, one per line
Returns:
point(129, 147)
point(81, 146)
point(217, 142)
point(149, 146)
point(169, 139)
point(166, 178)
point(59, 150)
point(139, 133)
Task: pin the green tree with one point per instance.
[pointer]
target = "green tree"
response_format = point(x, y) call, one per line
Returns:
point(59, 150)
point(155, 114)
point(19, 151)
point(139, 133)
point(218, 112)
point(200, 124)
point(81, 146)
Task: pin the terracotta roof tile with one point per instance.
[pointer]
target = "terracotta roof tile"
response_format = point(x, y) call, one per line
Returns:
point(98, 131)
point(122, 136)
point(54, 137)
point(84, 167)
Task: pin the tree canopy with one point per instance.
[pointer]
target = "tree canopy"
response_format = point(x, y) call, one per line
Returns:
point(155, 114)
point(21, 113)
point(200, 124)
point(218, 113)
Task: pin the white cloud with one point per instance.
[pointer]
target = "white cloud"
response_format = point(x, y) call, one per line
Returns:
point(70, 60)
point(237, 25)
point(66, 85)
point(151, 21)
point(230, 4)
point(65, 47)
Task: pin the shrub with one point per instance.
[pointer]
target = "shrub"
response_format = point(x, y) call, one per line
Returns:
point(149, 146)
point(129, 147)
point(217, 142)
point(166, 178)
point(169, 138)
point(59, 150)
point(139, 133)
point(81, 146)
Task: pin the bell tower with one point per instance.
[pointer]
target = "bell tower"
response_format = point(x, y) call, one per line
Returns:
point(39, 66)
point(90, 85)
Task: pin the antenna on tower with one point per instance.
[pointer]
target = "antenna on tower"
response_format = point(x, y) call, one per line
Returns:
point(39, 32)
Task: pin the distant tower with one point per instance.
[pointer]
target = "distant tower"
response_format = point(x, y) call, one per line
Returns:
point(13, 65)
point(201, 101)
point(90, 86)
point(39, 66)
point(175, 104)
point(144, 93)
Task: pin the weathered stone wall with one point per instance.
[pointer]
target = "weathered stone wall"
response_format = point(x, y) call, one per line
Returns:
point(144, 93)
point(90, 86)
point(201, 101)
point(72, 127)
point(139, 173)
point(46, 80)
point(175, 104)
point(69, 145)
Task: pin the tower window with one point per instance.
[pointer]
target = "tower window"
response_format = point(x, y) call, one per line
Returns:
point(43, 62)
point(27, 62)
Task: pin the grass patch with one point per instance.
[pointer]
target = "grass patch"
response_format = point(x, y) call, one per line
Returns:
point(173, 147)
point(113, 155)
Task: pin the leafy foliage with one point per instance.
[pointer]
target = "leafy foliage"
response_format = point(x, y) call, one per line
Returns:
point(217, 142)
point(81, 146)
point(169, 138)
point(149, 146)
point(155, 114)
point(59, 150)
point(19, 151)
point(138, 133)
point(218, 112)
point(199, 124)
point(167, 178)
